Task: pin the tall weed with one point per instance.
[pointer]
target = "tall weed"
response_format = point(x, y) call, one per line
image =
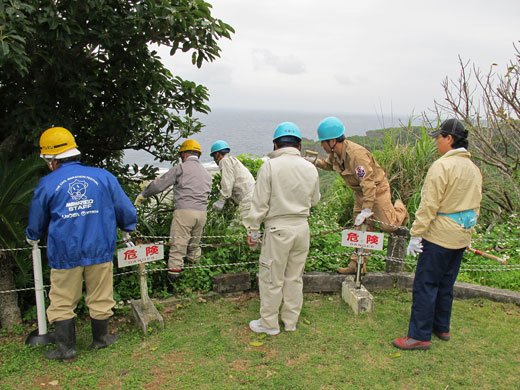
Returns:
point(406, 165)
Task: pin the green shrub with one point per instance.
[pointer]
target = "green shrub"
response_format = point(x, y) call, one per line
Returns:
point(406, 167)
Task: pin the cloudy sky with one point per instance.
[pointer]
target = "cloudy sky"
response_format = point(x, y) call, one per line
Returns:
point(343, 56)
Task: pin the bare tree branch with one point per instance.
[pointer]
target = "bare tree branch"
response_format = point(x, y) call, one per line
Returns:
point(489, 106)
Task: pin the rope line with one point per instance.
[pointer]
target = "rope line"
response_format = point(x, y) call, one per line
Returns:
point(387, 224)
point(464, 267)
point(313, 234)
point(21, 289)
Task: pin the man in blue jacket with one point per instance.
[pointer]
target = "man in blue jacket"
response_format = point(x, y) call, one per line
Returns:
point(79, 208)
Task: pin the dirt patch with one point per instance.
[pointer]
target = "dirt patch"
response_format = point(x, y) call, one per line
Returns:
point(243, 298)
point(160, 378)
point(46, 382)
point(239, 365)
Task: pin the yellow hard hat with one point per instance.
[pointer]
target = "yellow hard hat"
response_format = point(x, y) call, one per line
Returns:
point(56, 140)
point(190, 144)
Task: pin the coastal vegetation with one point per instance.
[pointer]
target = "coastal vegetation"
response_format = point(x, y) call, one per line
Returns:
point(224, 236)
point(91, 67)
point(112, 90)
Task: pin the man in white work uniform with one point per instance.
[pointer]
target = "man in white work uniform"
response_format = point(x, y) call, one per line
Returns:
point(287, 187)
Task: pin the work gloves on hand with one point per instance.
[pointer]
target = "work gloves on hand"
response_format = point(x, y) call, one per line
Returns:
point(127, 239)
point(219, 204)
point(140, 199)
point(255, 236)
point(254, 239)
point(362, 216)
point(414, 246)
point(32, 242)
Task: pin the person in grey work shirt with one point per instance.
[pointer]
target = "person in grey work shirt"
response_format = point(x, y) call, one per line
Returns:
point(191, 187)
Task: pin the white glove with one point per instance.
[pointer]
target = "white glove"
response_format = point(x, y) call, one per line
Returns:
point(254, 239)
point(255, 236)
point(127, 239)
point(364, 214)
point(311, 159)
point(219, 204)
point(140, 199)
point(414, 246)
point(32, 242)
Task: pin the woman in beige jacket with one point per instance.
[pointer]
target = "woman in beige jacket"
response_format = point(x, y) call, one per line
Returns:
point(450, 204)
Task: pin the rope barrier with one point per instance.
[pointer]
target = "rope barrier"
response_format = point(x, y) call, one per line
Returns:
point(21, 289)
point(18, 249)
point(485, 269)
point(464, 268)
point(313, 234)
point(388, 224)
point(495, 239)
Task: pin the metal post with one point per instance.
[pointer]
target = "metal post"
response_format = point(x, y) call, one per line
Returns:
point(360, 260)
point(40, 335)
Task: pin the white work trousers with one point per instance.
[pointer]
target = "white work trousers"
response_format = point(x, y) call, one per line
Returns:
point(282, 261)
point(243, 207)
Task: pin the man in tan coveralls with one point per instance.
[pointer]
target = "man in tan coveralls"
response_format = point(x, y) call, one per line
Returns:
point(362, 173)
point(286, 188)
point(191, 188)
point(237, 182)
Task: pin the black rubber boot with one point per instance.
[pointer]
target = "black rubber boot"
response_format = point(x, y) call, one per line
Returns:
point(173, 276)
point(100, 336)
point(65, 332)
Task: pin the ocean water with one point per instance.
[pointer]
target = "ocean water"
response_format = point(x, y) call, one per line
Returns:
point(250, 131)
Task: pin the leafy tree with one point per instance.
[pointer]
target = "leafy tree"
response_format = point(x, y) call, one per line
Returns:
point(89, 66)
point(17, 182)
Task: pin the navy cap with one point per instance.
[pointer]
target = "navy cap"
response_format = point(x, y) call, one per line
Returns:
point(450, 126)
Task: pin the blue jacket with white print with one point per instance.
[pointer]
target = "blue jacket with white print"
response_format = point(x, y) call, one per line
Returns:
point(80, 208)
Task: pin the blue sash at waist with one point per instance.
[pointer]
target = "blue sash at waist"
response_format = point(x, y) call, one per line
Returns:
point(467, 219)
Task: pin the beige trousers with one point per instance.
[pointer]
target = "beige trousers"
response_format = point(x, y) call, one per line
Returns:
point(383, 209)
point(185, 232)
point(282, 261)
point(67, 286)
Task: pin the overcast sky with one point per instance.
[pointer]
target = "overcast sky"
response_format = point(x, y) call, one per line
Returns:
point(342, 56)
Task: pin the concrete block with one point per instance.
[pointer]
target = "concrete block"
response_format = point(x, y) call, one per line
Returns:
point(322, 282)
point(375, 281)
point(405, 280)
point(360, 300)
point(232, 282)
point(468, 290)
point(146, 314)
point(465, 290)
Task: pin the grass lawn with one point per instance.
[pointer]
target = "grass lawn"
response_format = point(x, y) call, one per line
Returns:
point(208, 345)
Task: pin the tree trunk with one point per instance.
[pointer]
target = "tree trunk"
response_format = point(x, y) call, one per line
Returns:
point(9, 311)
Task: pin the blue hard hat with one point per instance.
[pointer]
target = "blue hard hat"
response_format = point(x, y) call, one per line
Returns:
point(287, 129)
point(218, 146)
point(330, 128)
